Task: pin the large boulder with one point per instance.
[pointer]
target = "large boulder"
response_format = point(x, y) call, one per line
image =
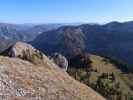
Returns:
point(61, 61)
point(19, 48)
point(25, 51)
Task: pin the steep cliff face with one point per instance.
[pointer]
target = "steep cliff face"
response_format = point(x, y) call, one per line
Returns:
point(24, 80)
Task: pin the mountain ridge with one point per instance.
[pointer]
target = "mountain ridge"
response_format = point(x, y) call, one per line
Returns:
point(96, 39)
point(24, 32)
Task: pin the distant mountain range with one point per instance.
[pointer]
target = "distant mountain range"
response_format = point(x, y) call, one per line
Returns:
point(24, 32)
point(4, 44)
point(114, 39)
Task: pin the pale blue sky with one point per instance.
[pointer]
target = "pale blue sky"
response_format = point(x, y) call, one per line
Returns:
point(65, 11)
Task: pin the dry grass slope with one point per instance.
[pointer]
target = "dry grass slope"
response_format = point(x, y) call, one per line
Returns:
point(22, 80)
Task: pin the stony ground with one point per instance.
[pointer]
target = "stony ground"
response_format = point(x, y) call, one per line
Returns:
point(22, 80)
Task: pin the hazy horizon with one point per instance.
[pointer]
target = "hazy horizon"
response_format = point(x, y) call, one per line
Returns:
point(67, 23)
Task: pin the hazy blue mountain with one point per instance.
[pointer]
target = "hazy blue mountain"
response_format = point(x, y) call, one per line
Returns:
point(4, 44)
point(24, 32)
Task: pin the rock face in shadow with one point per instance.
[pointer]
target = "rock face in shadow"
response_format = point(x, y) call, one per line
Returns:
point(24, 80)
